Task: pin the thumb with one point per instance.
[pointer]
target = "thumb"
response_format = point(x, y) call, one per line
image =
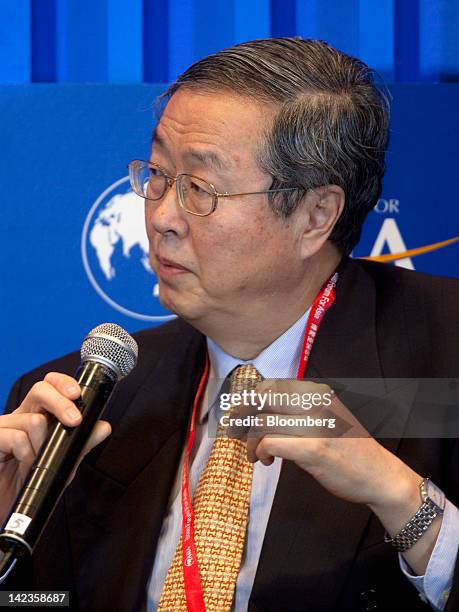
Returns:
point(101, 431)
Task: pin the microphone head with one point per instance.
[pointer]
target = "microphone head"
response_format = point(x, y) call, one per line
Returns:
point(110, 345)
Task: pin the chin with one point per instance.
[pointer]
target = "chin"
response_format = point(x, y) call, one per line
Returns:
point(180, 307)
point(167, 303)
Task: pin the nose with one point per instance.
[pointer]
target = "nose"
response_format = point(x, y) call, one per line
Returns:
point(166, 215)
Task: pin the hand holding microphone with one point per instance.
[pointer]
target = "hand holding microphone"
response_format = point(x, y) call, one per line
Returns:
point(39, 454)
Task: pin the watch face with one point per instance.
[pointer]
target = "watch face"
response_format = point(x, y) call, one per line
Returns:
point(435, 494)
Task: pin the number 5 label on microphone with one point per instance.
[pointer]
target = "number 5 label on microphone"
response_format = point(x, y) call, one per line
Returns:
point(18, 523)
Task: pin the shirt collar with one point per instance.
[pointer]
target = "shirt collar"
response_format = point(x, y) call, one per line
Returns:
point(278, 360)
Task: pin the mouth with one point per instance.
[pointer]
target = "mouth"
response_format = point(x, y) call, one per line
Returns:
point(167, 267)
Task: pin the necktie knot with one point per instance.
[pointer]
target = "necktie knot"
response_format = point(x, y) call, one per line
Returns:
point(244, 378)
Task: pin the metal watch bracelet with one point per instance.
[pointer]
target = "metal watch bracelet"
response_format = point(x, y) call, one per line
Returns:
point(418, 523)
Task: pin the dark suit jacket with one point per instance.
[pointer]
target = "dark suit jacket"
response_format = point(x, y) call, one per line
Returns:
point(320, 553)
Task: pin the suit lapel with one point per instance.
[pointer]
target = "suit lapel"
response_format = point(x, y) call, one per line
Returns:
point(347, 345)
point(312, 536)
point(116, 505)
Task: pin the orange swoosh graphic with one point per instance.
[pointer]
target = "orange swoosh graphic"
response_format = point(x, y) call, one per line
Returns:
point(413, 252)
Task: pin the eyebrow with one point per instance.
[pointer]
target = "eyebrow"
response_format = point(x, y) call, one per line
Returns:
point(205, 157)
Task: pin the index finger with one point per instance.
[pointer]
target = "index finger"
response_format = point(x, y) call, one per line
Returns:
point(54, 395)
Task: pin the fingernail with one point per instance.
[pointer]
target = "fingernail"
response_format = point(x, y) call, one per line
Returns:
point(72, 389)
point(73, 414)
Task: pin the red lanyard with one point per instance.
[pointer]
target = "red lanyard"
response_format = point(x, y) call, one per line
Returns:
point(321, 304)
point(193, 589)
point(192, 578)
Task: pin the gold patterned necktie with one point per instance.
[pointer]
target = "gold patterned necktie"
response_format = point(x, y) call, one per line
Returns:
point(221, 513)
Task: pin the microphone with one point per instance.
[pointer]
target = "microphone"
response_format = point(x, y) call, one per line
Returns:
point(108, 354)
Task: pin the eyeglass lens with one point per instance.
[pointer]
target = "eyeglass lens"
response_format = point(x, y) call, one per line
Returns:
point(195, 194)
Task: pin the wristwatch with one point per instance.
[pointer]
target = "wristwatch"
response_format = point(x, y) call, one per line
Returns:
point(433, 504)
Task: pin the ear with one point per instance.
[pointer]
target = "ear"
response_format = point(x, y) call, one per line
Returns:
point(324, 206)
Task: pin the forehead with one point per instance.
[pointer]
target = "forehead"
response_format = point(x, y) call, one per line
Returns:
point(223, 123)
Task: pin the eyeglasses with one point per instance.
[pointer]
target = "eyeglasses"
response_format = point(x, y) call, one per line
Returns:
point(196, 196)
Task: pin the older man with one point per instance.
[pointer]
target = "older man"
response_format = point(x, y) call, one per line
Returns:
point(265, 162)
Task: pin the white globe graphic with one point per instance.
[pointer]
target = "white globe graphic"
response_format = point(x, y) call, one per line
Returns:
point(114, 249)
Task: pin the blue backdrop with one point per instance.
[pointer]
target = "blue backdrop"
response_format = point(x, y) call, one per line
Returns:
point(76, 93)
point(134, 41)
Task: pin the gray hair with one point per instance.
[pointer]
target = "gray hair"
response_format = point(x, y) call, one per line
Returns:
point(331, 125)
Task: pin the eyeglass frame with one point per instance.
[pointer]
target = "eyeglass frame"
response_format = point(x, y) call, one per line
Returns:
point(170, 180)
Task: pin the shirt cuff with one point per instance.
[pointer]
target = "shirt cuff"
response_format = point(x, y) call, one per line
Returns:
point(435, 586)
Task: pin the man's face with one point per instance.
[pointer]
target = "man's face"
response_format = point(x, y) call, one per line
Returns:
point(240, 255)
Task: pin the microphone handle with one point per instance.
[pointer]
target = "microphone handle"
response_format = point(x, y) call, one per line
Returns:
point(55, 463)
